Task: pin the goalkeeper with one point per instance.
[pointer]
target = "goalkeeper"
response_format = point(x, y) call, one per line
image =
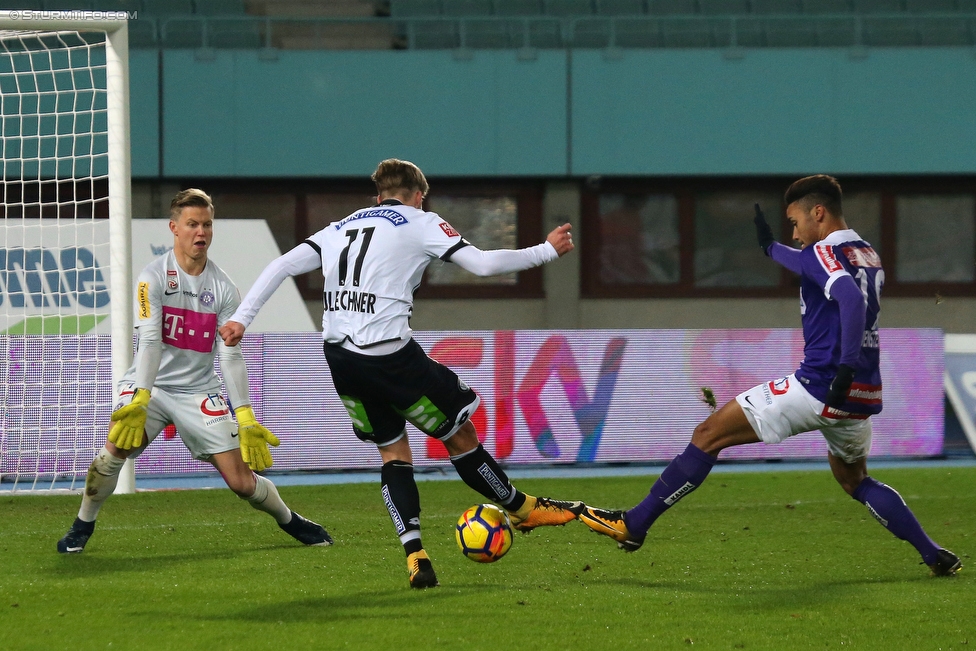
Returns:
point(181, 299)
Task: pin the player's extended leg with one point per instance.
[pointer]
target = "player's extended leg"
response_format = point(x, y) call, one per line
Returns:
point(890, 510)
point(100, 483)
point(725, 428)
point(402, 500)
point(479, 470)
point(262, 494)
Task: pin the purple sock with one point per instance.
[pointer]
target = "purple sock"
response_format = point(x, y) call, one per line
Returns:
point(684, 474)
point(888, 508)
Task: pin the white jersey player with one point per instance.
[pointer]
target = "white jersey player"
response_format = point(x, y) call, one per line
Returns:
point(372, 262)
point(181, 299)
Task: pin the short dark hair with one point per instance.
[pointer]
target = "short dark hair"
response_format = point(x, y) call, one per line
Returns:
point(393, 176)
point(191, 197)
point(819, 188)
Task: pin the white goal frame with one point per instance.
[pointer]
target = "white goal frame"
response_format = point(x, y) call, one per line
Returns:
point(119, 169)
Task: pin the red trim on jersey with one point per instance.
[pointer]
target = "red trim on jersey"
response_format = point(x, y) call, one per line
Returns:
point(825, 253)
point(865, 394)
point(830, 412)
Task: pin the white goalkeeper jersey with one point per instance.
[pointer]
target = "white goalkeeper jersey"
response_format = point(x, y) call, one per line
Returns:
point(183, 312)
point(372, 262)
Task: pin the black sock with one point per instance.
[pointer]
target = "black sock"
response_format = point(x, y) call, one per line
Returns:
point(480, 471)
point(402, 500)
point(85, 527)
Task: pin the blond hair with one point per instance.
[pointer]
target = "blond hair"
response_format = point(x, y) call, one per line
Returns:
point(191, 197)
point(394, 176)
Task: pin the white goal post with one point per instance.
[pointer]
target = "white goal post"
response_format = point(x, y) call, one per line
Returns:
point(65, 321)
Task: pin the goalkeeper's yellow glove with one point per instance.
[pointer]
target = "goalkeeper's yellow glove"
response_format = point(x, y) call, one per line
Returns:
point(255, 439)
point(130, 422)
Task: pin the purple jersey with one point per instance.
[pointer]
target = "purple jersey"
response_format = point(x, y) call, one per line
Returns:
point(842, 253)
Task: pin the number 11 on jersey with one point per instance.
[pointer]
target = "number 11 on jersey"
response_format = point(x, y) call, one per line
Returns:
point(353, 234)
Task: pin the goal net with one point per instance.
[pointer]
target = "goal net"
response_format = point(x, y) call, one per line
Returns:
point(65, 332)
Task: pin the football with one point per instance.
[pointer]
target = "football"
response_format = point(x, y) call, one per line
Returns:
point(484, 533)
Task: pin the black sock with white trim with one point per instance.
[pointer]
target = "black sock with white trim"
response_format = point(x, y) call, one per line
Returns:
point(402, 500)
point(480, 471)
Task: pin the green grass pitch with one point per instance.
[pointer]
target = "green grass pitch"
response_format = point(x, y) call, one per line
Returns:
point(773, 560)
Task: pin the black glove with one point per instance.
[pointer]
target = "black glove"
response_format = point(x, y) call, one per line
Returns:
point(763, 232)
point(837, 393)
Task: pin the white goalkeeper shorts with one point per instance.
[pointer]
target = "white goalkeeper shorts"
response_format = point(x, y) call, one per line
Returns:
point(202, 420)
point(783, 408)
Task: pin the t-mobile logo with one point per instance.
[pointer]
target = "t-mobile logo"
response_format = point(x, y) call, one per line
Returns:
point(189, 330)
point(172, 326)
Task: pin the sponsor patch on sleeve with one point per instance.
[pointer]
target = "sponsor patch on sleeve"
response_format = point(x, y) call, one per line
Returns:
point(143, 295)
point(862, 256)
point(449, 230)
point(825, 254)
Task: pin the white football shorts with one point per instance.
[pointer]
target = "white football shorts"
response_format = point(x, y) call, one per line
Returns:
point(203, 420)
point(783, 408)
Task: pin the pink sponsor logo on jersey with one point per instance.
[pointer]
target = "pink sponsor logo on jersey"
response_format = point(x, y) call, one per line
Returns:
point(449, 230)
point(189, 330)
point(825, 253)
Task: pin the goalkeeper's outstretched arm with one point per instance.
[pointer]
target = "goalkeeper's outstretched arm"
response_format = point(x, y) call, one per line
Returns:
point(302, 259)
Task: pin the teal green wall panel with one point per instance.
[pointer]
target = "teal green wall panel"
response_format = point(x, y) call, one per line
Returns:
point(323, 113)
point(660, 112)
point(199, 114)
point(646, 112)
point(144, 112)
point(908, 111)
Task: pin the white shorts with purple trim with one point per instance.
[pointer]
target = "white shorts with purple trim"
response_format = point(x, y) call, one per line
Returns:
point(783, 408)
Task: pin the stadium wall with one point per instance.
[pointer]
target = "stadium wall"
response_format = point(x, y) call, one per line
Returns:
point(562, 116)
point(563, 306)
point(144, 112)
point(559, 113)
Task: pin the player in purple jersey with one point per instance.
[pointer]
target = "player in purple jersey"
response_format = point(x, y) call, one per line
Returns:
point(836, 389)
